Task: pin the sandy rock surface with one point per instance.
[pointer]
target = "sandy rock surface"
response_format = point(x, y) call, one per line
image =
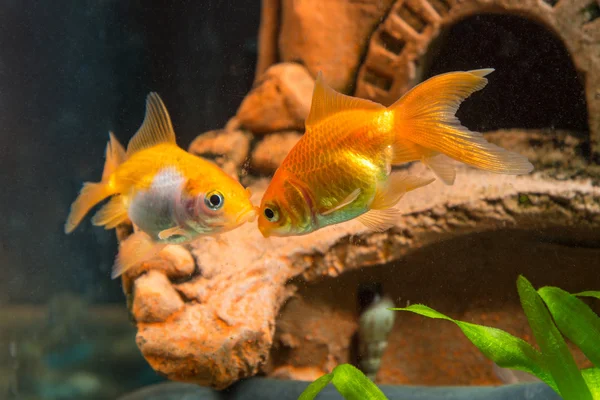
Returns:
point(231, 301)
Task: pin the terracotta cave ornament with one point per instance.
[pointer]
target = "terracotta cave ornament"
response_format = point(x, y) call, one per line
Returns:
point(219, 310)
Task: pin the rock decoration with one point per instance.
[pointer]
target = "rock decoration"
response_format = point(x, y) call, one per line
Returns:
point(280, 100)
point(270, 152)
point(338, 45)
point(232, 302)
point(228, 148)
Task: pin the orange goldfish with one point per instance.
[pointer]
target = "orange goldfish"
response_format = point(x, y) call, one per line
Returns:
point(342, 167)
point(170, 195)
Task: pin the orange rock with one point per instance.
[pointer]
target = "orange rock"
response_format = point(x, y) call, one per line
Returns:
point(227, 148)
point(155, 299)
point(329, 36)
point(174, 261)
point(280, 100)
point(225, 330)
point(271, 151)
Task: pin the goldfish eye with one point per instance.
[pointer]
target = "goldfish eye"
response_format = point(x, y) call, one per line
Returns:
point(271, 215)
point(214, 200)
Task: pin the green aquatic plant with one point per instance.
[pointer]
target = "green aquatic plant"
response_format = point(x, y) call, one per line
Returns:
point(551, 313)
point(349, 381)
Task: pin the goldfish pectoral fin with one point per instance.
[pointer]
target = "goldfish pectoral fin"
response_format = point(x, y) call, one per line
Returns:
point(442, 167)
point(326, 102)
point(389, 193)
point(349, 199)
point(404, 151)
point(156, 127)
point(134, 250)
point(115, 156)
point(90, 195)
point(426, 116)
point(112, 214)
point(380, 220)
point(174, 231)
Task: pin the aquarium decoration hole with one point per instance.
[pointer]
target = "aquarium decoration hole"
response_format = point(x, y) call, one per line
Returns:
point(534, 85)
point(466, 277)
point(591, 12)
point(440, 6)
point(377, 79)
point(552, 3)
point(391, 42)
point(544, 72)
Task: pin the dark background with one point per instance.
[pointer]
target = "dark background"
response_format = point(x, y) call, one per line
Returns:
point(70, 71)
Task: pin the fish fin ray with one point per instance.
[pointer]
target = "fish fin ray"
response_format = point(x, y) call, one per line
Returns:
point(326, 102)
point(380, 220)
point(442, 167)
point(349, 199)
point(426, 116)
point(115, 156)
point(111, 214)
point(133, 251)
point(156, 127)
point(389, 193)
point(404, 151)
point(91, 194)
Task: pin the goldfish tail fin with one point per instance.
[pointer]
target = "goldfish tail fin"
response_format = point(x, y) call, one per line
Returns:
point(112, 214)
point(90, 195)
point(94, 193)
point(133, 251)
point(425, 116)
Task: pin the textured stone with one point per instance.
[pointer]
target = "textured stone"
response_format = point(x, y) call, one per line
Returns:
point(280, 100)
point(155, 299)
point(227, 148)
point(226, 329)
point(272, 149)
point(329, 36)
point(173, 260)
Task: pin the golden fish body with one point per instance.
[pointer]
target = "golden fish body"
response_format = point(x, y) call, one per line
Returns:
point(312, 182)
point(341, 169)
point(169, 195)
point(166, 189)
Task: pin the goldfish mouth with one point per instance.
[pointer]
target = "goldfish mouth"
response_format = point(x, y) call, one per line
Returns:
point(247, 215)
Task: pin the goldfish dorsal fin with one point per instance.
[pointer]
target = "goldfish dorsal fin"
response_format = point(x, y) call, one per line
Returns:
point(326, 102)
point(155, 129)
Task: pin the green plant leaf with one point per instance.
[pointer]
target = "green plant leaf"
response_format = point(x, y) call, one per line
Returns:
point(592, 379)
point(504, 349)
point(555, 354)
point(314, 388)
point(349, 381)
point(575, 320)
point(354, 385)
point(589, 293)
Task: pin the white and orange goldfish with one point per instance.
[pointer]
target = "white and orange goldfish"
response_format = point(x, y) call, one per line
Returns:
point(341, 169)
point(170, 195)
